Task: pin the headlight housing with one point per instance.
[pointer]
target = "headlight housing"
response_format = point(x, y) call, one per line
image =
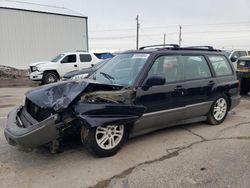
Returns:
point(33, 68)
point(79, 77)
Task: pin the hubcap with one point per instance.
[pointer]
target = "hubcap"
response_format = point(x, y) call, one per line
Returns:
point(220, 109)
point(109, 136)
point(51, 79)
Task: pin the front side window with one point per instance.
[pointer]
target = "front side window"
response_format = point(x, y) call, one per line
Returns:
point(122, 69)
point(220, 65)
point(69, 59)
point(195, 67)
point(170, 67)
point(85, 58)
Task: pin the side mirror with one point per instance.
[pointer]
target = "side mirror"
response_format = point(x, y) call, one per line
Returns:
point(92, 65)
point(234, 58)
point(154, 81)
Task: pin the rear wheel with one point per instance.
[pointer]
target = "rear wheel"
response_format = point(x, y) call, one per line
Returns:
point(50, 77)
point(104, 141)
point(218, 111)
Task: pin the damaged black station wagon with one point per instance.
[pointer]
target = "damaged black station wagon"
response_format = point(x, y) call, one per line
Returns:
point(136, 92)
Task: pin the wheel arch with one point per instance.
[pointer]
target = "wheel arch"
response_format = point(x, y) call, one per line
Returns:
point(52, 70)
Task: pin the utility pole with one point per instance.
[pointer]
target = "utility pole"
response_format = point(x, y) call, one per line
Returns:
point(180, 39)
point(164, 39)
point(137, 32)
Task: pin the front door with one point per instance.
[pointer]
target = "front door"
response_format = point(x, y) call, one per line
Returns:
point(68, 63)
point(164, 103)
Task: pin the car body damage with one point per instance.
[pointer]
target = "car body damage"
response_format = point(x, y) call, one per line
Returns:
point(59, 96)
point(50, 111)
point(94, 114)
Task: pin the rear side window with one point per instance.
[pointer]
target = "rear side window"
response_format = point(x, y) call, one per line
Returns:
point(69, 59)
point(195, 67)
point(85, 58)
point(221, 65)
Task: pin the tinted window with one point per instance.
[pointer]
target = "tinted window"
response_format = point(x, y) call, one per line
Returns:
point(221, 65)
point(243, 53)
point(85, 58)
point(69, 59)
point(195, 67)
point(169, 67)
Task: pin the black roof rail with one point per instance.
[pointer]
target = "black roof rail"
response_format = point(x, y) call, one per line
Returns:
point(160, 45)
point(208, 47)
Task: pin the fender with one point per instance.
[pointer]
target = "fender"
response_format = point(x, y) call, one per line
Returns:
point(96, 114)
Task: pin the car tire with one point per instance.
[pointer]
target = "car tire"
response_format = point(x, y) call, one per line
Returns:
point(218, 111)
point(104, 141)
point(50, 77)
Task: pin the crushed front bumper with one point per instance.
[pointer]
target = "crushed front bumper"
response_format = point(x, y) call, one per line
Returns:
point(29, 136)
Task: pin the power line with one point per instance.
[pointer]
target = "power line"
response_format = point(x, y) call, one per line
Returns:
point(169, 26)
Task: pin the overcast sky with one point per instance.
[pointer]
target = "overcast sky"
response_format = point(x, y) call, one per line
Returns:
point(112, 24)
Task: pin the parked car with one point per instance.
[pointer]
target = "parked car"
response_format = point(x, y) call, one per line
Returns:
point(134, 93)
point(243, 74)
point(84, 73)
point(51, 71)
point(233, 55)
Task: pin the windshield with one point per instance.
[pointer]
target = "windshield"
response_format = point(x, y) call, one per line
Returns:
point(57, 58)
point(121, 69)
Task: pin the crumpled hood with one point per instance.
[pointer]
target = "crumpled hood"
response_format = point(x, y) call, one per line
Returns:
point(58, 96)
point(40, 63)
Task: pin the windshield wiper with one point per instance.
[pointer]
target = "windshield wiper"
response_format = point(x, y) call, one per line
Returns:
point(110, 78)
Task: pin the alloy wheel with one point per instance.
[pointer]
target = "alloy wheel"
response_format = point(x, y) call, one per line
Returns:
point(109, 137)
point(220, 109)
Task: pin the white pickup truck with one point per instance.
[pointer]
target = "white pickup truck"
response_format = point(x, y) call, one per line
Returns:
point(52, 71)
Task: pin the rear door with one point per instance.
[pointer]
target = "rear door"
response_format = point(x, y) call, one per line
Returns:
point(164, 103)
point(85, 61)
point(199, 84)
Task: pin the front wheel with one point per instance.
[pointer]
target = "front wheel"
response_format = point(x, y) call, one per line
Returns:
point(218, 111)
point(104, 141)
point(50, 77)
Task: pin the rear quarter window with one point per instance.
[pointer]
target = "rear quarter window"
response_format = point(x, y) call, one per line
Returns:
point(220, 65)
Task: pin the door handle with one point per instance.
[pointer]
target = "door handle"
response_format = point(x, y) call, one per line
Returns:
point(178, 88)
point(75, 65)
point(211, 82)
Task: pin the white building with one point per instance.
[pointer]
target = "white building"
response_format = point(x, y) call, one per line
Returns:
point(31, 32)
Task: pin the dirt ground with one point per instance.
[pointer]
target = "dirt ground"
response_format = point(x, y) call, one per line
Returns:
point(193, 155)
